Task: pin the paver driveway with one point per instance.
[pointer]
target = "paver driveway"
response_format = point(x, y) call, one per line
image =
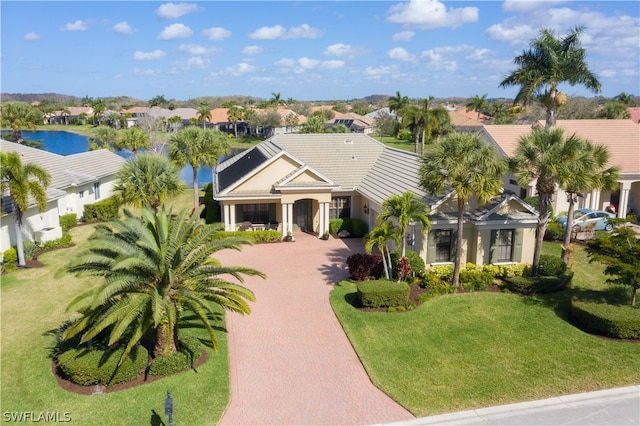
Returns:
point(291, 363)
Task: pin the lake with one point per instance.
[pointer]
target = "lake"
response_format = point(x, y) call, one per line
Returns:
point(67, 143)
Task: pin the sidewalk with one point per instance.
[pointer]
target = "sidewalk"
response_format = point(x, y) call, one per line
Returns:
point(615, 407)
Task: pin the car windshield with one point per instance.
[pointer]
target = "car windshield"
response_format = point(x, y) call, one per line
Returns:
point(578, 214)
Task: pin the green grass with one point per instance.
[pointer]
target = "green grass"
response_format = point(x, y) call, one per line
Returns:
point(34, 301)
point(466, 351)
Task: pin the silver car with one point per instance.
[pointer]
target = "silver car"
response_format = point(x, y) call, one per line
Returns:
point(588, 219)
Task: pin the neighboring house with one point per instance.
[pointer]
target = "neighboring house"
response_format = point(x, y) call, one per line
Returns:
point(464, 121)
point(356, 123)
point(622, 139)
point(634, 114)
point(70, 115)
point(302, 181)
point(76, 180)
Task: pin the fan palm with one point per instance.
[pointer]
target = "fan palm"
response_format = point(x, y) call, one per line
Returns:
point(133, 139)
point(103, 138)
point(470, 167)
point(380, 236)
point(197, 147)
point(147, 180)
point(549, 62)
point(17, 116)
point(155, 269)
point(477, 104)
point(21, 182)
point(405, 208)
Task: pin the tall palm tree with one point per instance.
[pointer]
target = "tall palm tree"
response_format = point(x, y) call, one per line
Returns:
point(405, 208)
point(441, 123)
point(398, 102)
point(275, 100)
point(147, 180)
point(413, 120)
point(380, 236)
point(586, 170)
point(22, 182)
point(157, 269)
point(625, 98)
point(133, 139)
point(18, 116)
point(466, 164)
point(204, 113)
point(234, 115)
point(477, 104)
point(549, 62)
point(197, 147)
point(104, 137)
point(99, 108)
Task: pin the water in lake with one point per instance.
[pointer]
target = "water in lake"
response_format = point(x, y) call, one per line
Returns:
point(67, 143)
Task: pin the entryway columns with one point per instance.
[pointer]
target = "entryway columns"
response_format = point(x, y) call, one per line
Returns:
point(287, 219)
point(595, 200)
point(324, 218)
point(229, 214)
point(623, 204)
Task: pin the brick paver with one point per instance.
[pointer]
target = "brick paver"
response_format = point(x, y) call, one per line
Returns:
point(291, 363)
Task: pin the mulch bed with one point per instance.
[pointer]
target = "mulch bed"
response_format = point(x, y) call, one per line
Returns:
point(142, 379)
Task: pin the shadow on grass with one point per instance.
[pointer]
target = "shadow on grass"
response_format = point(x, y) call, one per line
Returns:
point(156, 420)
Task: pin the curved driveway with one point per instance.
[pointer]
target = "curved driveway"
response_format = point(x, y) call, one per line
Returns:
point(291, 363)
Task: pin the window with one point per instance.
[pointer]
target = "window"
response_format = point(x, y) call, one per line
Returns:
point(505, 245)
point(443, 245)
point(255, 213)
point(81, 194)
point(96, 189)
point(340, 208)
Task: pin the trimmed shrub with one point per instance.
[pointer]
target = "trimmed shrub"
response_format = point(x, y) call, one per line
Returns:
point(554, 232)
point(189, 350)
point(362, 266)
point(255, 237)
point(30, 250)
point(379, 293)
point(618, 321)
point(212, 210)
point(476, 279)
point(551, 266)
point(10, 255)
point(101, 211)
point(335, 225)
point(540, 284)
point(64, 241)
point(97, 367)
point(359, 228)
point(416, 262)
point(67, 221)
point(435, 287)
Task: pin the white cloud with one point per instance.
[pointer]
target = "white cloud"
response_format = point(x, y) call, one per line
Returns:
point(401, 54)
point(32, 36)
point(174, 31)
point(429, 14)
point(123, 28)
point(332, 65)
point(379, 72)
point(285, 63)
point(445, 57)
point(515, 35)
point(216, 33)
point(149, 56)
point(141, 72)
point(199, 62)
point(176, 10)
point(240, 69)
point(308, 63)
point(280, 32)
point(403, 36)
point(252, 50)
point(342, 49)
point(79, 25)
point(199, 50)
point(528, 5)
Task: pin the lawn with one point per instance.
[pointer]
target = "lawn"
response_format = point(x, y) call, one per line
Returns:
point(466, 351)
point(34, 301)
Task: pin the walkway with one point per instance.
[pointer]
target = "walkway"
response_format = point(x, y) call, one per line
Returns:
point(291, 363)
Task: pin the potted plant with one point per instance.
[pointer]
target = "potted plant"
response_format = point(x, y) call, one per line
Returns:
point(288, 237)
point(325, 236)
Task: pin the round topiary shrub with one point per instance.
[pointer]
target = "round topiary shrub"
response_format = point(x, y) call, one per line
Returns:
point(97, 367)
point(551, 266)
point(554, 232)
point(618, 321)
point(189, 350)
point(359, 227)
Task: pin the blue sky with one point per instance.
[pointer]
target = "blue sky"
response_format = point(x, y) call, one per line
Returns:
point(305, 50)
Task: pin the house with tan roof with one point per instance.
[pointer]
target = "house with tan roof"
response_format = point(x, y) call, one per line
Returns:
point(299, 182)
point(622, 139)
point(76, 180)
point(356, 123)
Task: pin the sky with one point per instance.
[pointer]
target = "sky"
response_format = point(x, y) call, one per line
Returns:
point(302, 50)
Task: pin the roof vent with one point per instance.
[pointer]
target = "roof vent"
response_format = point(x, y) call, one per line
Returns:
point(354, 158)
point(348, 142)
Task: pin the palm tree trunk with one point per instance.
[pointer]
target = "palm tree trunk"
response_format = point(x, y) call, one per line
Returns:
point(17, 227)
point(458, 254)
point(417, 141)
point(568, 230)
point(551, 108)
point(543, 221)
point(196, 199)
point(384, 263)
point(165, 341)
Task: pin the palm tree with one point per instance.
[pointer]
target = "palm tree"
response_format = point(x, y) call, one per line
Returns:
point(204, 113)
point(99, 108)
point(398, 103)
point(157, 269)
point(314, 124)
point(197, 147)
point(22, 182)
point(133, 139)
point(466, 164)
point(380, 236)
point(441, 122)
point(18, 116)
point(147, 180)
point(549, 62)
point(586, 170)
point(235, 114)
point(406, 209)
point(625, 98)
point(275, 100)
point(413, 120)
point(477, 104)
point(104, 137)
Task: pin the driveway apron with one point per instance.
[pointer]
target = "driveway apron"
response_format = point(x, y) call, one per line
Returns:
point(291, 363)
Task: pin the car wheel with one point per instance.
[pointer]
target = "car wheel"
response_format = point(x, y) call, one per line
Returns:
point(608, 227)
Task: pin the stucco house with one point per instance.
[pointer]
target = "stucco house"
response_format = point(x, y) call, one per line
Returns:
point(76, 180)
point(622, 139)
point(302, 181)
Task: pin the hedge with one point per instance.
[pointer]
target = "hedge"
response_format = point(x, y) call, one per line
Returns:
point(256, 237)
point(379, 293)
point(67, 221)
point(189, 350)
point(618, 321)
point(101, 211)
point(93, 367)
point(356, 227)
point(416, 262)
point(362, 266)
point(538, 285)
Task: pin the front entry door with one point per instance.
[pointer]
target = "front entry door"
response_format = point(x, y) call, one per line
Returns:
point(304, 215)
